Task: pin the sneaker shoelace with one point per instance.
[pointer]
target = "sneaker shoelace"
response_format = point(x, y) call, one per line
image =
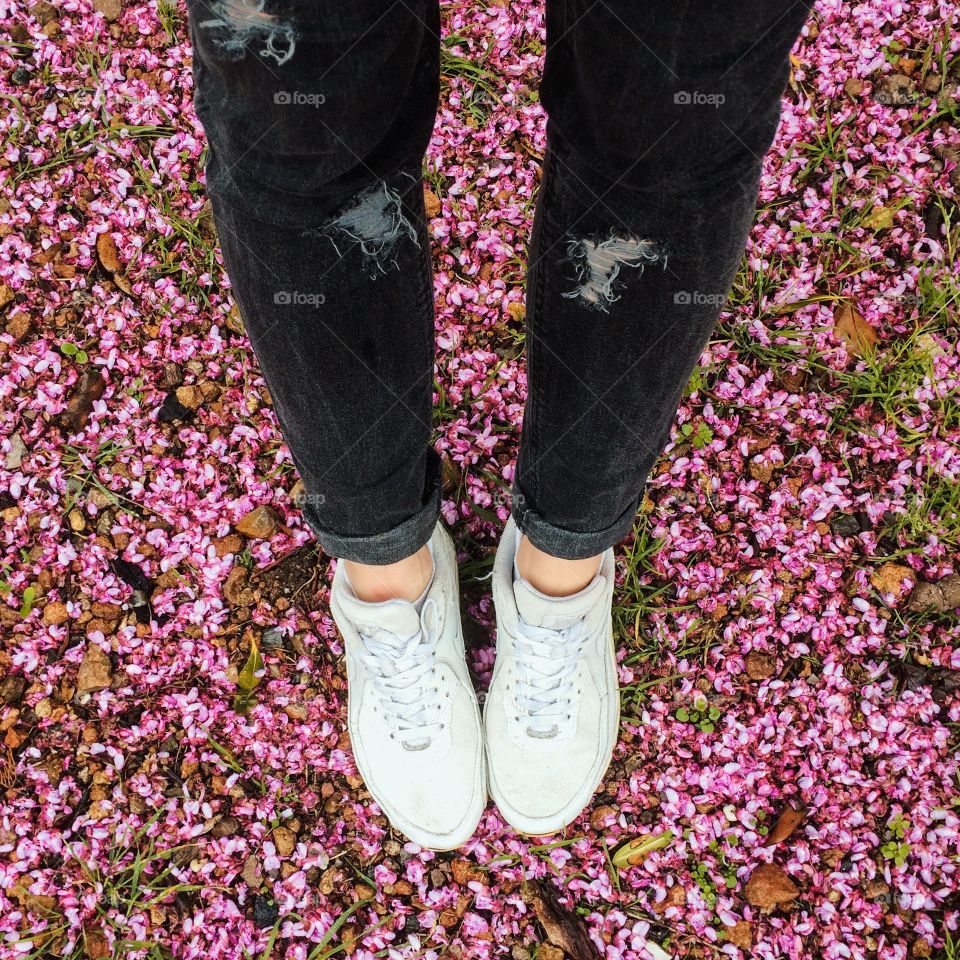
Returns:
point(403, 670)
point(546, 664)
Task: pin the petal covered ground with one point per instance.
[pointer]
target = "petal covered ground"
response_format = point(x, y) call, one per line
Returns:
point(175, 773)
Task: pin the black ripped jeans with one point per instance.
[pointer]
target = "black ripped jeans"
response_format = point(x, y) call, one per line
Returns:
point(318, 113)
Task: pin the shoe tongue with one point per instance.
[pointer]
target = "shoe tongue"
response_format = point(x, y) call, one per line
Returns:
point(555, 613)
point(399, 617)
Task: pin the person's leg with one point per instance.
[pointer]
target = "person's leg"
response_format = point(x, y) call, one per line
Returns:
point(318, 113)
point(659, 115)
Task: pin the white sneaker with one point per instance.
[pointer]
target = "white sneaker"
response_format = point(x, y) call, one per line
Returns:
point(552, 714)
point(413, 716)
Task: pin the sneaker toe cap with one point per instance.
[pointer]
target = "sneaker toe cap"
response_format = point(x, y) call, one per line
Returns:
point(543, 794)
point(540, 787)
point(434, 796)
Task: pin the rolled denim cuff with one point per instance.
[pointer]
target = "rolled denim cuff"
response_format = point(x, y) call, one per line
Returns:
point(563, 543)
point(392, 545)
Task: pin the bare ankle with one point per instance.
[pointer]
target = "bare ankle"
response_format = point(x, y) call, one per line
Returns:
point(552, 575)
point(404, 580)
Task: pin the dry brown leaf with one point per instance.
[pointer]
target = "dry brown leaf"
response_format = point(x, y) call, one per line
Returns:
point(89, 389)
point(106, 611)
point(111, 9)
point(892, 578)
point(876, 888)
point(44, 12)
point(298, 495)
point(234, 320)
point(895, 90)
point(107, 253)
point(40, 903)
point(95, 671)
point(602, 817)
point(230, 544)
point(921, 949)
point(940, 597)
point(787, 822)
point(740, 935)
point(564, 929)
point(760, 666)
point(853, 87)
point(466, 870)
point(851, 327)
point(517, 310)
point(235, 589)
point(19, 325)
point(761, 471)
point(676, 897)
point(285, 840)
point(95, 944)
point(432, 203)
point(55, 613)
point(190, 396)
point(123, 284)
point(260, 523)
point(251, 872)
point(8, 768)
point(769, 885)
